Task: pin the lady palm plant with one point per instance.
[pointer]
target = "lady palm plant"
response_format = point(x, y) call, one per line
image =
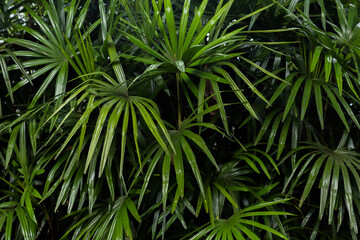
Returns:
point(336, 180)
point(149, 121)
point(192, 55)
point(324, 66)
point(51, 50)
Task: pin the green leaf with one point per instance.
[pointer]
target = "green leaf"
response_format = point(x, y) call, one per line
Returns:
point(319, 105)
point(192, 161)
point(11, 145)
point(81, 18)
point(125, 221)
point(306, 97)
point(246, 80)
point(199, 141)
point(271, 160)
point(145, 47)
point(23, 159)
point(265, 126)
point(325, 184)
point(281, 88)
point(206, 75)
point(327, 66)
point(247, 231)
point(97, 130)
point(180, 65)
point(170, 21)
point(19, 65)
point(193, 27)
point(55, 21)
point(250, 163)
point(348, 197)
point(209, 205)
point(315, 57)
point(260, 162)
point(283, 136)
point(2, 220)
point(43, 26)
point(110, 132)
point(9, 223)
point(103, 19)
point(61, 80)
point(292, 96)
point(338, 75)
point(6, 77)
point(262, 204)
point(334, 190)
point(183, 25)
point(25, 230)
point(226, 194)
point(136, 133)
point(307, 8)
point(179, 168)
point(175, 200)
point(237, 91)
point(165, 178)
point(118, 69)
point(211, 23)
point(220, 102)
point(70, 19)
point(166, 49)
point(132, 209)
point(341, 15)
point(149, 173)
point(336, 106)
point(33, 134)
point(261, 69)
point(346, 106)
point(45, 85)
point(29, 207)
point(273, 132)
point(312, 177)
point(262, 226)
point(123, 137)
point(151, 125)
point(79, 123)
point(214, 44)
point(75, 188)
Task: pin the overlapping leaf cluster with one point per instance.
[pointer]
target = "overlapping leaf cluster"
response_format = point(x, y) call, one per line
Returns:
point(146, 119)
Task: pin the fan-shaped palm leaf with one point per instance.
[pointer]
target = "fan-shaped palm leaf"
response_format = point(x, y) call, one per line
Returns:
point(339, 179)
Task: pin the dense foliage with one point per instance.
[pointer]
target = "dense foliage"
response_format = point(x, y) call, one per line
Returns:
point(202, 119)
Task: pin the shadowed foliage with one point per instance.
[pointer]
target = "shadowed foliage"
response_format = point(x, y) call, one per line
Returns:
point(203, 119)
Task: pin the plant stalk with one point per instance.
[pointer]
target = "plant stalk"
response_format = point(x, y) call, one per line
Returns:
point(178, 98)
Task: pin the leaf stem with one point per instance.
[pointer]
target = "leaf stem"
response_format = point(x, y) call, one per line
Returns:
point(178, 98)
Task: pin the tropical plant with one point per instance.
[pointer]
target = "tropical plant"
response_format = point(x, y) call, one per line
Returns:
point(179, 119)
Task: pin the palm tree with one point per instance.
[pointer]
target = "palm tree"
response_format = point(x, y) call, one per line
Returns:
point(179, 119)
